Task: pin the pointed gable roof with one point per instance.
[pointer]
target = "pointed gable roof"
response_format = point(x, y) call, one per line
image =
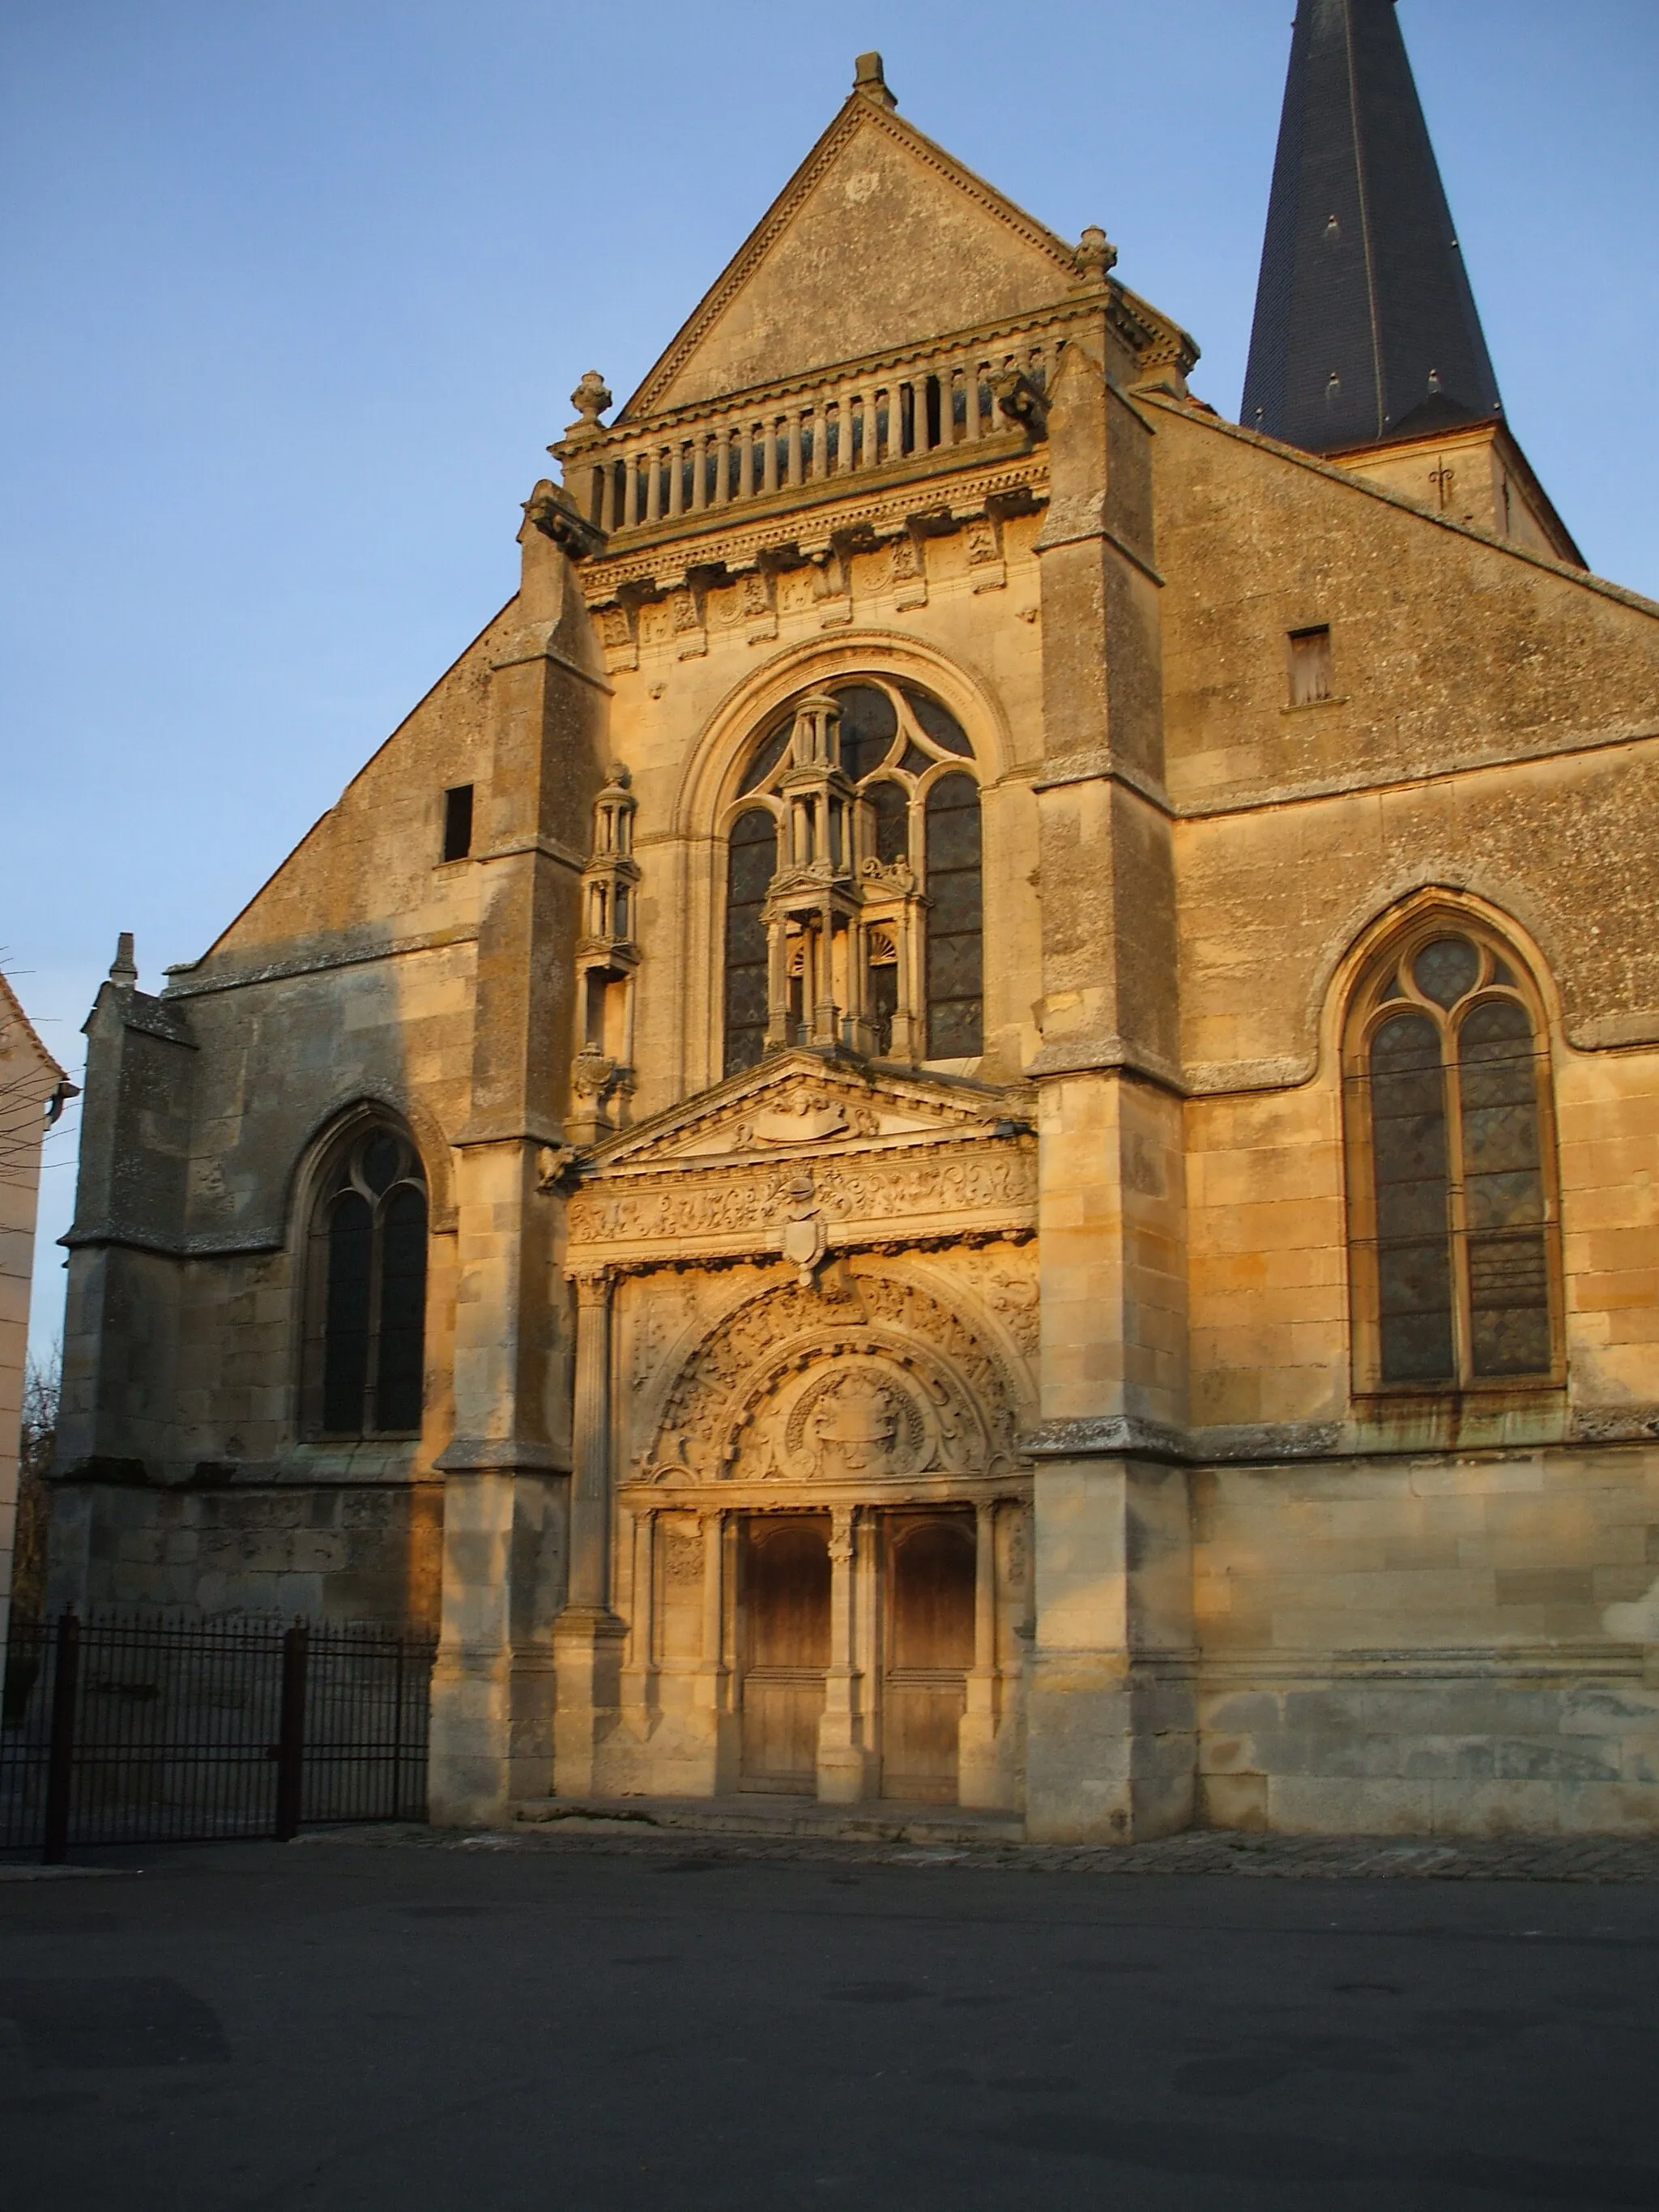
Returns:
point(1364, 312)
point(18, 1036)
point(802, 291)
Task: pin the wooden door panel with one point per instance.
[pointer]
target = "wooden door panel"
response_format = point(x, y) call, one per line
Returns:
point(930, 1648)
point(919, 1723)
point(784, 1640)
point(780, 1733)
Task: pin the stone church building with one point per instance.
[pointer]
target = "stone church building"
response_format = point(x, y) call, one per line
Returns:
point(969, 1117)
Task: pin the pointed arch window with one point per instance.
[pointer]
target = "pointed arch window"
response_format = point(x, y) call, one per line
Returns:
point(884, 929)
point(1455, 1237)
point(367, 1289)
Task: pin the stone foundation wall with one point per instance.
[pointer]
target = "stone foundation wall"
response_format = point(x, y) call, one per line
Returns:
point(340, 1551)
point(1430, 1646)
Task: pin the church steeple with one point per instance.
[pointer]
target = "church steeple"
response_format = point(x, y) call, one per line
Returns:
point(1365, 327)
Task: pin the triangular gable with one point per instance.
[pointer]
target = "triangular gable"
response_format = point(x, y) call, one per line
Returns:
point(798, 1104)
point(873, 193)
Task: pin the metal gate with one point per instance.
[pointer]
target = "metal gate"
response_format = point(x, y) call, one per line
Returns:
point(122, 1729)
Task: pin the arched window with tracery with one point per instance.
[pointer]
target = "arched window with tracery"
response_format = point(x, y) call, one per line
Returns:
point(368, 1288)
point(854, 882)
point(1455, 1228)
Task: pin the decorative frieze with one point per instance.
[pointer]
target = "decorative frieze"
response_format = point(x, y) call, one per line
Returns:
point(911, 1194)
point(866, 520)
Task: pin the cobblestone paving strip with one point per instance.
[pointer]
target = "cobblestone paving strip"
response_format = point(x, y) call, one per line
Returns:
point(1273, 1858)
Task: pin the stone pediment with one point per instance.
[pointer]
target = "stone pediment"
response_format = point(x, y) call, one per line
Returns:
point(799, 1157)
point(880, 238)
point(798, 1104)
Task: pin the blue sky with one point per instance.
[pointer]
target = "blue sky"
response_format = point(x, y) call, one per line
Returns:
point(293, 295)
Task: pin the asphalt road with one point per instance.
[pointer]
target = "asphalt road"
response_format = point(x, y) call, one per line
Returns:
point(347, 2029)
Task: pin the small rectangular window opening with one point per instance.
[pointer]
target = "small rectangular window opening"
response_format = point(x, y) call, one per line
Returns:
point(457, 821)
point(1311, 665)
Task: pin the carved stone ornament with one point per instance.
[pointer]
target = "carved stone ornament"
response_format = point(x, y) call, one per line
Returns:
point(855, 1419)
point(554, 1165)
point(590, 399)
point(551, 511)
point(878, 1196)
point(879, 1383)
point(1095, 254)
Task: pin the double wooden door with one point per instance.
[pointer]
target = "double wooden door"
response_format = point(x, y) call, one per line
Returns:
point(927, 1573)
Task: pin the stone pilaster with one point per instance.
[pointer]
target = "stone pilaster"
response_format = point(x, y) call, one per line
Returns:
point(507, 1467)
point(588, 1637)
point(715, 1677)
point(843, 1762)
point(1109, 1723)
point(980, 1780)
point(118, 1418)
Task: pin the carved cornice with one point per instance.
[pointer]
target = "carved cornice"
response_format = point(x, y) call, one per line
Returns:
point(861, 510)
point(1109, 1436)
point(1271, 1445)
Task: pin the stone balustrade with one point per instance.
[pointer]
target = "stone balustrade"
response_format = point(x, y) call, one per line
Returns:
point(976, 396)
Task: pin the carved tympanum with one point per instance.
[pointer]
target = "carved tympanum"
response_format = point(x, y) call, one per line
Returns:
point(879, 1382)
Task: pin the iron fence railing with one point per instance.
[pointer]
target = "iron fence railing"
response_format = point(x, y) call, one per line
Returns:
point(123, 1728)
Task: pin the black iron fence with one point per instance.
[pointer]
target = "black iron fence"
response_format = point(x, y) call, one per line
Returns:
point(123, 1729)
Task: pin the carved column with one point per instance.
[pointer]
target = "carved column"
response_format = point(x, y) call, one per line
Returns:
point(714, 1675)
point(842, 1761)
point(777, 984)
point(587, 1636)
point(825, 1014)
point(978, 1777)
point(590, 1496)
point(639, 1599)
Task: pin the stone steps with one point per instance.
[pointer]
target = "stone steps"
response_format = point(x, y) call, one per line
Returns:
point(881, 1822)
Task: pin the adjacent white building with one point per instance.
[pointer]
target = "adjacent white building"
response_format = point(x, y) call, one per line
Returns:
point(32, 1089)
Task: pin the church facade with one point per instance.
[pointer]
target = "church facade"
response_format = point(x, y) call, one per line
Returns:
point(972, 1116)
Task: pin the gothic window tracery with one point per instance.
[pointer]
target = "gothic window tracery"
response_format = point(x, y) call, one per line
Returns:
point(855, 890)
point(369, 1289)
point(1455, 1230)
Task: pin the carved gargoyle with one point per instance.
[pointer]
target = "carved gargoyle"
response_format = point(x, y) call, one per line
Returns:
point(555, 1167)
point(1022, 401)
point(554, 514)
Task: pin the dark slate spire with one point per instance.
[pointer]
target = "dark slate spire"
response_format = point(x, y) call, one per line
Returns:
point(1365, 327)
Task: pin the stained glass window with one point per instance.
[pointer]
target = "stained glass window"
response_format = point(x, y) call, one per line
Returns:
point(370, 1230)
point(751, 862)
point(1451, 1077)
point(955, 928)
